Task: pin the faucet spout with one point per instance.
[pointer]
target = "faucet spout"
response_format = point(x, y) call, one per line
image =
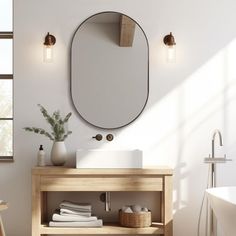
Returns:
point(220, 136)
point(216, 132)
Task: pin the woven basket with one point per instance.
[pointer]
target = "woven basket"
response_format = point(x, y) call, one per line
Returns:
point(135, 220)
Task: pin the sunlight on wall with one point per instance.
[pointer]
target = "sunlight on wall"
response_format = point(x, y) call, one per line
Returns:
point(199, 99)
point(179, 128)
point(173, 128)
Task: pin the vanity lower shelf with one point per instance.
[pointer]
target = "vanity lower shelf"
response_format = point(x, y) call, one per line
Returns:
point(112, 229)
point(59, 179)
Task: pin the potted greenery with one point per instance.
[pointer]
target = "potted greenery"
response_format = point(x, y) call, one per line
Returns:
point(58, 135)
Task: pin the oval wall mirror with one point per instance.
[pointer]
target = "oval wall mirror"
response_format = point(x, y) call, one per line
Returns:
point(109, 70)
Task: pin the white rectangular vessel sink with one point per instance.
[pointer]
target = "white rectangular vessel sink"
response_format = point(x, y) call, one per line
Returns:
point(103, 158)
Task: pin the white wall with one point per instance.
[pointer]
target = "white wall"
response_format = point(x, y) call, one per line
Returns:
point(188, 100)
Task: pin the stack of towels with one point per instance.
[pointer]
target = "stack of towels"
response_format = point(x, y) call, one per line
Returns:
point(73, 214)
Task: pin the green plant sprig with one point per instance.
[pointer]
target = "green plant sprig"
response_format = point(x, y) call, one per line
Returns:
point(57, 124)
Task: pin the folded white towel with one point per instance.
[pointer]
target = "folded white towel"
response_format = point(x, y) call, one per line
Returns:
point(76, 206)
point(64, 211)
point(70, 218)
point(97, 223)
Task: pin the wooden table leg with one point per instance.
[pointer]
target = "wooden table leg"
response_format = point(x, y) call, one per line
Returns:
point(36, 205)
point(168, 209)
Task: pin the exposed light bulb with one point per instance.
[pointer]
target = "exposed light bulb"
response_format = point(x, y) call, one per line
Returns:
point(50, 40)
point(170, 43)
point(48, 53)
point(171, 54)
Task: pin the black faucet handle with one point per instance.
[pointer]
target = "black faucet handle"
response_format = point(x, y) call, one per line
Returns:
point(98, 137)
point(109, 137)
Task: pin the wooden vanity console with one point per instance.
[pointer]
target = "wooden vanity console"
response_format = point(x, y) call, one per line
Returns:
point(48, 179)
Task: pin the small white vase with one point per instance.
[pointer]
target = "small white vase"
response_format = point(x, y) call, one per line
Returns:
point(58, 153)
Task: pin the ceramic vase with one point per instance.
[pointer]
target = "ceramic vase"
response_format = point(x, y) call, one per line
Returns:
point(58, 153)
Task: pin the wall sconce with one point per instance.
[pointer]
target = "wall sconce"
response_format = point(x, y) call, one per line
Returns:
point(50, 40)
point(169, 41)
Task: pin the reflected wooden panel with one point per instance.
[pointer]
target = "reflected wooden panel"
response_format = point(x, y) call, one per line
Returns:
point(127, 30)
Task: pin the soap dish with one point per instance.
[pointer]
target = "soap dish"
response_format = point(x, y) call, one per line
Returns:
point(136, 219)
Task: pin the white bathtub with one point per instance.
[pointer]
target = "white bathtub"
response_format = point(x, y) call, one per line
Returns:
point(223, 203)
